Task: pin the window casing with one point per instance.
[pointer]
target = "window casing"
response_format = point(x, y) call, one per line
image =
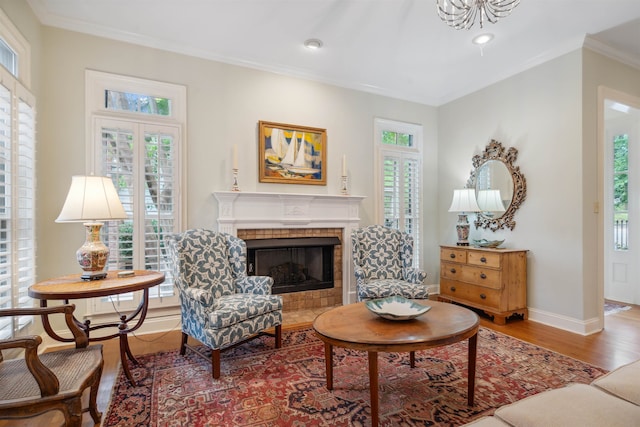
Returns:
point(137, 140)
point(398, 160)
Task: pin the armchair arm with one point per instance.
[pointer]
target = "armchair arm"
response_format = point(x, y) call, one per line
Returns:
point(414, 275)
point(359, 273)
point(201, 296)
point(260, 285)
point(46, 379)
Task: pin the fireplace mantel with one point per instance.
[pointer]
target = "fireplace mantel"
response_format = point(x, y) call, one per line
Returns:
point(249, 210)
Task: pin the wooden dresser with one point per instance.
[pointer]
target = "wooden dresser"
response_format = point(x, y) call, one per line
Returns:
point(492, 280)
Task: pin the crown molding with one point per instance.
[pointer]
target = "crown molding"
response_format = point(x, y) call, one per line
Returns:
point(611, 52)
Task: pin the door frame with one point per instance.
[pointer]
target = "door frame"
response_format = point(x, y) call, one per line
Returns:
point(605, 93)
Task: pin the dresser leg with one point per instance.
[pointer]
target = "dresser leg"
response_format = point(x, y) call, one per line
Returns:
point(499, 320)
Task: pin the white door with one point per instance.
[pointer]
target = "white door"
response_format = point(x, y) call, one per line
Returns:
point(622, 203)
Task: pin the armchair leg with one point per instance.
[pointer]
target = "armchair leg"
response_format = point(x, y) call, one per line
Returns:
point(215, 363)
point(183, 344)
point(278, 336)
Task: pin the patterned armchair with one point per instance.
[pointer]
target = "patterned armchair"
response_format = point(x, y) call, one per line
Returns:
point(221, 305)
point(383, 259)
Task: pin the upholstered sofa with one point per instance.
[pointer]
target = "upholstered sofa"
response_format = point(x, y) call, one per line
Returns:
point(612, 400)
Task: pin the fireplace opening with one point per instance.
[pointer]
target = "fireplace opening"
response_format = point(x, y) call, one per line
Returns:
point(295, 264)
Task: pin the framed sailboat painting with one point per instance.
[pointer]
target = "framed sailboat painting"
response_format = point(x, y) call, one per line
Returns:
point(291, 154)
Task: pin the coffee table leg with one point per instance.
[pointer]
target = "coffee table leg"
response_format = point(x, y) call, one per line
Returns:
point(473, 346)
point(373, 386)
point(328, 361)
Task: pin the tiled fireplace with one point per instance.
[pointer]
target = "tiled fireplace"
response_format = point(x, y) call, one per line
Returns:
point(253, 216)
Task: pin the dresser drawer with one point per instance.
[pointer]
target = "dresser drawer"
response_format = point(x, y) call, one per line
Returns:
point(475, 295)
point(485, 259)
point(453, 255)
point(472, 275)
point(482, 276)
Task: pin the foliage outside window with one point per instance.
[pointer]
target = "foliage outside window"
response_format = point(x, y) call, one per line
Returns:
point(621, 192)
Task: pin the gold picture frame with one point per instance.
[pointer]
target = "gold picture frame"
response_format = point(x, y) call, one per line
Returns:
point(292, 154)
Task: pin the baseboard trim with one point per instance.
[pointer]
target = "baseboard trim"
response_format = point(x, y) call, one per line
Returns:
point(570, 324)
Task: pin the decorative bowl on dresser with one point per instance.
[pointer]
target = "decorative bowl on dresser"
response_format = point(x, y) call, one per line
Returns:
point(492, 280)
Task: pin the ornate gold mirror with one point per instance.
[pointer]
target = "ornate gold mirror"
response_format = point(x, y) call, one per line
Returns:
point(499, 184)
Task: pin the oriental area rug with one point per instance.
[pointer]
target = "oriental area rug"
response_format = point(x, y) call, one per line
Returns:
point(262, 386)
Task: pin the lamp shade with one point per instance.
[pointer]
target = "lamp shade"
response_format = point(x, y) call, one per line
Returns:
point(91, 198)
point(464, 200)
point(490, 201)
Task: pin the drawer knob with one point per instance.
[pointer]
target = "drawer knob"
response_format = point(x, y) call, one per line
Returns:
point(452, 256)
point(483, 259)
point(452, 289)
point(483, 296)
point(483, 276)
point(453, 271)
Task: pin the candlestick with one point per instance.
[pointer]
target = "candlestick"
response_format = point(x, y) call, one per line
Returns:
point(344, 165)
point(343, 185)
point(234, 186)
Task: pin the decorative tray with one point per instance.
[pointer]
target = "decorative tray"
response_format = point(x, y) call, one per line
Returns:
point(484, 243)
point(396, 308)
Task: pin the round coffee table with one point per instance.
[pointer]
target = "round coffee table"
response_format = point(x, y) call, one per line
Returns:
point(354, 326)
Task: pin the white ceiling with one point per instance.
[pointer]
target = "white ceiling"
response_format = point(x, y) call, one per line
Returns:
point(398, 48)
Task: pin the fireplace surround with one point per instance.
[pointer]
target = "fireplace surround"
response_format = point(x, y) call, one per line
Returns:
point(257, 216)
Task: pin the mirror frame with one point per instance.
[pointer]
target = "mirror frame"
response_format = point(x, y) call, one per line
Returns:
point(495, 151)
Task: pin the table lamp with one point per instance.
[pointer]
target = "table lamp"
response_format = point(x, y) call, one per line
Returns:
point(464, 201)
point(92, 199)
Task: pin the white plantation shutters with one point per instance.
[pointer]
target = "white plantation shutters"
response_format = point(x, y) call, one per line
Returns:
point(399, 177)
point(140, 158)
point(17, 199)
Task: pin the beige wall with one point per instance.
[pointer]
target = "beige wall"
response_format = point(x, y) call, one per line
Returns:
point(539, 113)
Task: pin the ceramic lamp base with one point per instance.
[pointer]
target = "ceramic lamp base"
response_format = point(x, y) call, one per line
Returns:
point(462, 228)
point(93, 254)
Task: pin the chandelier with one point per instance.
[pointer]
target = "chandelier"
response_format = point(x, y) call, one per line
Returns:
point(461, 14)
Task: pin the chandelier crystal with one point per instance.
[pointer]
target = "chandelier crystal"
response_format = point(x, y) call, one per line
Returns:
point(461, 14)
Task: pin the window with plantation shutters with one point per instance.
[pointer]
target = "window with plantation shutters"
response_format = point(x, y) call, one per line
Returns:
point(137, 141)
point(17, 199)
point(398, 177)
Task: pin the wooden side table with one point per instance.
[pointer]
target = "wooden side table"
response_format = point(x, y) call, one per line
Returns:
point(73, 287)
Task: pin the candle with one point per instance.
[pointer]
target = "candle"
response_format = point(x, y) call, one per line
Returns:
point(235, 156)
point(344, 165)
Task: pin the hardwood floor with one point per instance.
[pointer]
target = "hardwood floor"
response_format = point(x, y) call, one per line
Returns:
point(616, 345)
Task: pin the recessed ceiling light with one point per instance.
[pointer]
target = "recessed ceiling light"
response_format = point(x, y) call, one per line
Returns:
point(313, 44)
point(482, 39)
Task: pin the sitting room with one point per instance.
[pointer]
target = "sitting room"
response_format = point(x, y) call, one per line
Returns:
point(271, 176)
